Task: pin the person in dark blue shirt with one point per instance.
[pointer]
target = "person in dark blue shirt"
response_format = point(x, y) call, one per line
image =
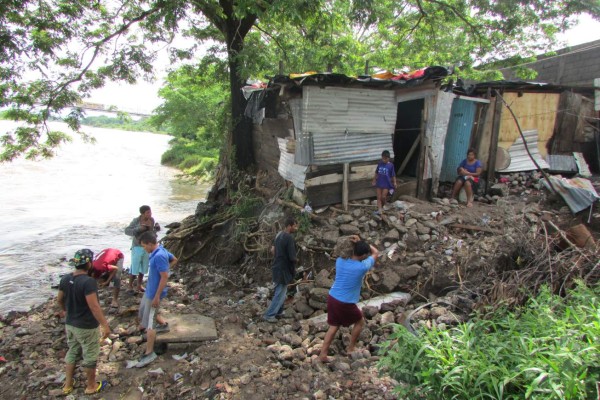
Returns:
point(283, 269)
point(468, 177)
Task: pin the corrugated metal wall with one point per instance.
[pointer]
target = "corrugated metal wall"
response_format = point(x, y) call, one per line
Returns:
point(304, 146)
point(457, 138)
point(346, 124)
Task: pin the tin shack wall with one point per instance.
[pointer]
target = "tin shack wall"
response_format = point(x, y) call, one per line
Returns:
point(347, 124)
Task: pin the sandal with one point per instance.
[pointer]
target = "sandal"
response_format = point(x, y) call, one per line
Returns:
point(67, 390)
point(101, 385)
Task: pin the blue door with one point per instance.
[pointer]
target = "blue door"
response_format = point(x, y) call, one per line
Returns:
point(458, 137)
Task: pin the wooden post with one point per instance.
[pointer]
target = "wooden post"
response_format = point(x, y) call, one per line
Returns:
point(329, 67)
point(280, 67)
point(491, 170)
point(345, 186)
point(421, 189)
point(409, 155)
point(367, 67)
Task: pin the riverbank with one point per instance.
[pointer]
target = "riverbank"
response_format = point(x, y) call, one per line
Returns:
point(449, 258)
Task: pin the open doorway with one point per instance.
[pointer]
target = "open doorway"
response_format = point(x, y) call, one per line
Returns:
point(407, 148)
point(407, 137)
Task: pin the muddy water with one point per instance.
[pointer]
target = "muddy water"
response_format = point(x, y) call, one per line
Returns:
point(82, 198)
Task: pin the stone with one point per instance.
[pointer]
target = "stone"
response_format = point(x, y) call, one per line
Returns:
point(303, 308)
point(344, 219)
point(322, 279)
point(319, 294)
point(347, 229)
point(387, 318)
point(406, 272)
point(330, 237)
point(392, 235)
point(389, 280)
point(370, 311)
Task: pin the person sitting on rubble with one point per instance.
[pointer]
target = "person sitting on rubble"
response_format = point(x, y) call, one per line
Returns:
point(468, 177)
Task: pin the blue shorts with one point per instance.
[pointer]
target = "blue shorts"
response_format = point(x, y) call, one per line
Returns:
point(139, 261)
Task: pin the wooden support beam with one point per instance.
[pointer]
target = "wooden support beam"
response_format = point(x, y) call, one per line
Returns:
point(345, 186)
point(408, 156)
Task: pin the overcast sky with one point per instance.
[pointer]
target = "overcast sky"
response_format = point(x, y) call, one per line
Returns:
point(143, 96)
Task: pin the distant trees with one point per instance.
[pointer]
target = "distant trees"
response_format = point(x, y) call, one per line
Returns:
point(53, 53)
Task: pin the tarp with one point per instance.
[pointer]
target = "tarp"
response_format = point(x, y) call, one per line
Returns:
point(578, 193)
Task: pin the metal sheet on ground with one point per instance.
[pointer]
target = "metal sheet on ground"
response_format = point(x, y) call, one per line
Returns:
point(188, 328)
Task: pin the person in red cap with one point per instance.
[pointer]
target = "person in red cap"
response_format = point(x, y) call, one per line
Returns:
point(107, 266)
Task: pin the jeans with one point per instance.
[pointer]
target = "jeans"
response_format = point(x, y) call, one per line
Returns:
point(276, 306)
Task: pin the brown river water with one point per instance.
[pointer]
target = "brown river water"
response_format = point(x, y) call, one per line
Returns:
point(82, 198)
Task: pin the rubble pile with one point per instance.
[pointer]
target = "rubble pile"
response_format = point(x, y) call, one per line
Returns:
point(448, 259)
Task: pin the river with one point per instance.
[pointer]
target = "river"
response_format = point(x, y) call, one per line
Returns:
point(84, 197)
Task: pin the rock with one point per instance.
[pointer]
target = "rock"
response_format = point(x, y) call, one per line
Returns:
point(437, 312)
point(370, 311)
point(408, 271)
point(319, 294)
point(389, 280)
point(322, 280)
point(387, 318)
point(317, 304)
point(393, 235)
point(286, 353)
point(348, 229)
point(134, 340)
point(330, 237)
point(303, 308)
point(344, 219)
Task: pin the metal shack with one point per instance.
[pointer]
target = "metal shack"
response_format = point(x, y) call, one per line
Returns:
point(325, 132)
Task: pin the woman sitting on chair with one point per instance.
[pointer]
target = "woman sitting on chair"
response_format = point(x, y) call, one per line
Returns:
point(468, 176)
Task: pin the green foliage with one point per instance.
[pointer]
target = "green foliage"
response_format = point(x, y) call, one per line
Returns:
point(124, 122)
point(192, 157)
point(545, 350)
point(53, 54)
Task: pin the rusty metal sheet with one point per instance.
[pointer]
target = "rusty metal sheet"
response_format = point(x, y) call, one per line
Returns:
point(288, 169)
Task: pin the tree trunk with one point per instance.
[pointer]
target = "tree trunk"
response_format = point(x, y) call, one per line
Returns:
point(242, 126)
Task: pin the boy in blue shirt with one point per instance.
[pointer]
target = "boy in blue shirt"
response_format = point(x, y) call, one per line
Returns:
point(160, 261)
point(345, 293)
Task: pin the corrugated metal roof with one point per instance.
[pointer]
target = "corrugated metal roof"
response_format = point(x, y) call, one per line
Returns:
point(336, 148)
point(578, 193)
point(560, 163)
point(287, 168)
point(519, 159)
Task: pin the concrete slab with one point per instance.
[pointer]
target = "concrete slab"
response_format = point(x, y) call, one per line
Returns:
point(188, 328)
point(375, 302)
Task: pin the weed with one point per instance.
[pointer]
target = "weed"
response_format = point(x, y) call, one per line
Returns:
point(547, 349)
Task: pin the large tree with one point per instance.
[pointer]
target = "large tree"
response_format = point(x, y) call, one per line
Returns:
point(53, 53)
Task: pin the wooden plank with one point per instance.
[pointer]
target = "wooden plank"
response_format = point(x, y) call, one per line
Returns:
point(408, 156)
point(324, 180)
point(491, 166)
point(364, 168)
point(345, 186)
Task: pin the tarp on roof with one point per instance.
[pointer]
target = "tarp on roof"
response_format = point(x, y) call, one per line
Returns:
point(381, 80)
point(519, 158)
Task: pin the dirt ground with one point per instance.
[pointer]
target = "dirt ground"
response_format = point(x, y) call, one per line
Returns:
point(252, 359)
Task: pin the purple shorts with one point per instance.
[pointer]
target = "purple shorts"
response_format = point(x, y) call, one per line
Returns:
point(342, 314)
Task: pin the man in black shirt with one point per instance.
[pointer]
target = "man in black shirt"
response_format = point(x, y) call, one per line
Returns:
point(78, 296)
point(283, 269)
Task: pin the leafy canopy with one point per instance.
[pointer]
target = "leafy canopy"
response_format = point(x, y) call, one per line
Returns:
point(53, 53)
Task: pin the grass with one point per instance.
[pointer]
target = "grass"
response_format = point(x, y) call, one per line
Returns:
point(548, 349)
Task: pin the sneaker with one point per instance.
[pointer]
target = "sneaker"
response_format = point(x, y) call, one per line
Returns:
point(270, 319)
point(162, 328)
point(145, 360)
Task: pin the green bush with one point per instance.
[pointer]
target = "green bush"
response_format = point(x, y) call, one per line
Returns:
point(548, 349)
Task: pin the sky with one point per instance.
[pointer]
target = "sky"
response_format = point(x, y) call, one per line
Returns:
point(143, 97)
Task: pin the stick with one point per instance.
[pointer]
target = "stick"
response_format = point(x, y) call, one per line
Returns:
point(475, 228)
